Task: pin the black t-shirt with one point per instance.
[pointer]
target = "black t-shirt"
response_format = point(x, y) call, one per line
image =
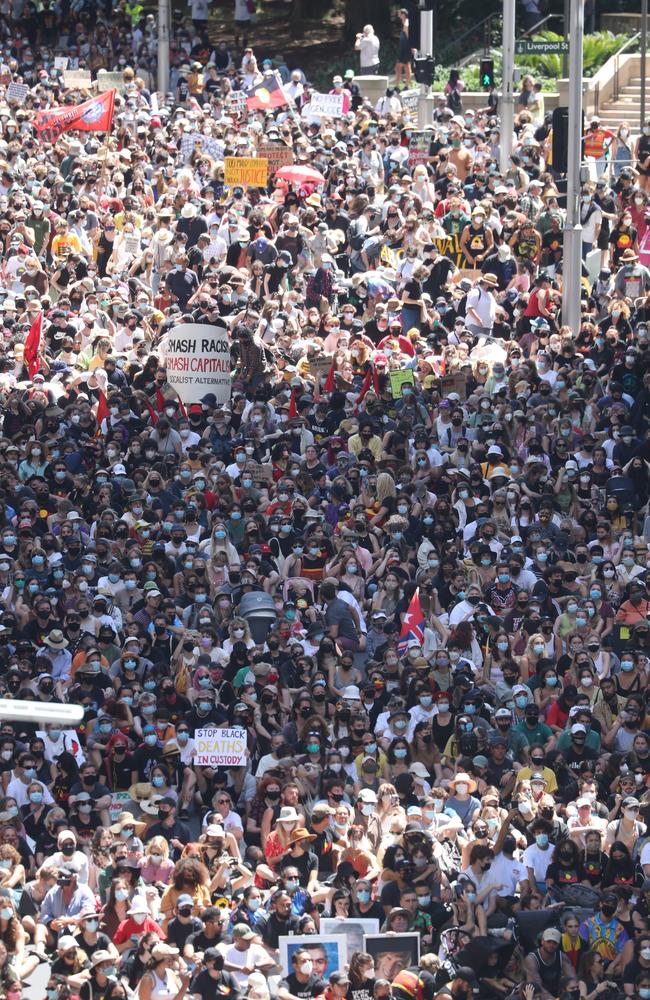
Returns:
point(312, 988)
point(200, 941)
point(306, 864)
point(273, 929)
point(209, 988)
point(178, 932)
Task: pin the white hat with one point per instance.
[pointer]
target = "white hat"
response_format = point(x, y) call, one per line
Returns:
point(419, 770)
point(288, 815)
point(367, 795)
point(188, 210)
point(138, 905)
point(119, 470)
point(351, 693)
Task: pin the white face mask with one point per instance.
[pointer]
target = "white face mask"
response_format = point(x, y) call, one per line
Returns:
point(462, 788)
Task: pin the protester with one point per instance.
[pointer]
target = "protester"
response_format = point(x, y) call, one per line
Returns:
point(356, 610)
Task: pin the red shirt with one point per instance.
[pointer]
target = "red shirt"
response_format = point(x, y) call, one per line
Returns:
point(129, 927)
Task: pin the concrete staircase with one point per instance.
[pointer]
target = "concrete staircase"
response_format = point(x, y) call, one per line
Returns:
point(628, 106)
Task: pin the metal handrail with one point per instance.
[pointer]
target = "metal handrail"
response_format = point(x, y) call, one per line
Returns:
point(617, 64)
point(487, 24)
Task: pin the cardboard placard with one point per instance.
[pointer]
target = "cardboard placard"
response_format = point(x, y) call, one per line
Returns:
point(246, 171)
point(132, 244)
point(77, 79)
point(325, 105)
point(110, 81)
point(197, 359)
point(220, 747)
point(277, 154)
point(454, 383)
point(398, 380)
point(260, 471)
point(17, 92)
point(320, 365)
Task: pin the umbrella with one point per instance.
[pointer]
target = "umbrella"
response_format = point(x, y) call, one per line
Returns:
point(296, 174)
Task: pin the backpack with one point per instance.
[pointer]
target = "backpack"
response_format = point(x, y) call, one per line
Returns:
point(454, 101)
point(182, 680)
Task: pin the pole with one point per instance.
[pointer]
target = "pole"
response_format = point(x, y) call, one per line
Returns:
point(507, 102)
point(426, 49)
point(644, 47)
point(565, 55)
point(163, 47)
point(572, 265)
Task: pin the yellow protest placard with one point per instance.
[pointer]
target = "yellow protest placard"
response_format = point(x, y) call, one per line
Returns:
point(247, 171)
point(398, 380)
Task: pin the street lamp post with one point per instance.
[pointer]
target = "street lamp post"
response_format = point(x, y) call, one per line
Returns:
point(507, 102)
point(163, 47)
point(572, 261)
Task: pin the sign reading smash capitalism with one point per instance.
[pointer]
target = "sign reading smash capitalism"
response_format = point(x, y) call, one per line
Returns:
point(220, 747)
point(197, 359)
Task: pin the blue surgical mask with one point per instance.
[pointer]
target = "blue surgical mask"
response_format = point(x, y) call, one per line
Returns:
point(157, 781)
point(35, 796)
point(400, 753)
point(151, 739)
point(542, 840)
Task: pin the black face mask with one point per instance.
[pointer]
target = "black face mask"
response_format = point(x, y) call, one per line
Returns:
point(608, 910)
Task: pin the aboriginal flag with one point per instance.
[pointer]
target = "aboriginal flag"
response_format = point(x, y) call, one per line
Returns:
point(268, 94)
point(94, 115)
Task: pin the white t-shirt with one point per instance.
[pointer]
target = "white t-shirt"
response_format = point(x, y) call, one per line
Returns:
point(509, 872)
point(253, 956)
point(538, 860)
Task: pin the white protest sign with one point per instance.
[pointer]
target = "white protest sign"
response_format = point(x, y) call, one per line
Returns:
point(119, 803)
point(197, 359)
point(236, 102)
point(70, 743)
point(220, 747)
point(110, 81)
point(409, 99)
point(330, 105)
point(61, 62)
point(77, 79)
point(17, 91)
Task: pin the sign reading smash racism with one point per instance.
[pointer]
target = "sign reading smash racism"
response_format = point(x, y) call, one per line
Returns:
point(219, 747)
point(197, 358)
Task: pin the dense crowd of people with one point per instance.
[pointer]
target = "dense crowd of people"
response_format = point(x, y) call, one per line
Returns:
point(406, 560)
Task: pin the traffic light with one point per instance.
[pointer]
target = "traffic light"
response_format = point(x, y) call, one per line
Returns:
point(486, 73)
point(425, 70)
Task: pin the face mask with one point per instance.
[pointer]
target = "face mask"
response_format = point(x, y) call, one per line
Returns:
point(462, 788)
point(139, 917)
point(151, 739)
point(367, 809)
point(542, 840)
point(521, 701)
point(587, 681)
point(121, 895)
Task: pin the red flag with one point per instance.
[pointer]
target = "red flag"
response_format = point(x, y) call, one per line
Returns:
point(412, 626)
point(33, 346)
point(160, 401)
point(293, 410)
point(268, 94)
point(94, 115)
point(329, 381)
point(102, 410)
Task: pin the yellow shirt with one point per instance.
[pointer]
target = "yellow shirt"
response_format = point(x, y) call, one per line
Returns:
point(549, 776)
point(66, 243)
